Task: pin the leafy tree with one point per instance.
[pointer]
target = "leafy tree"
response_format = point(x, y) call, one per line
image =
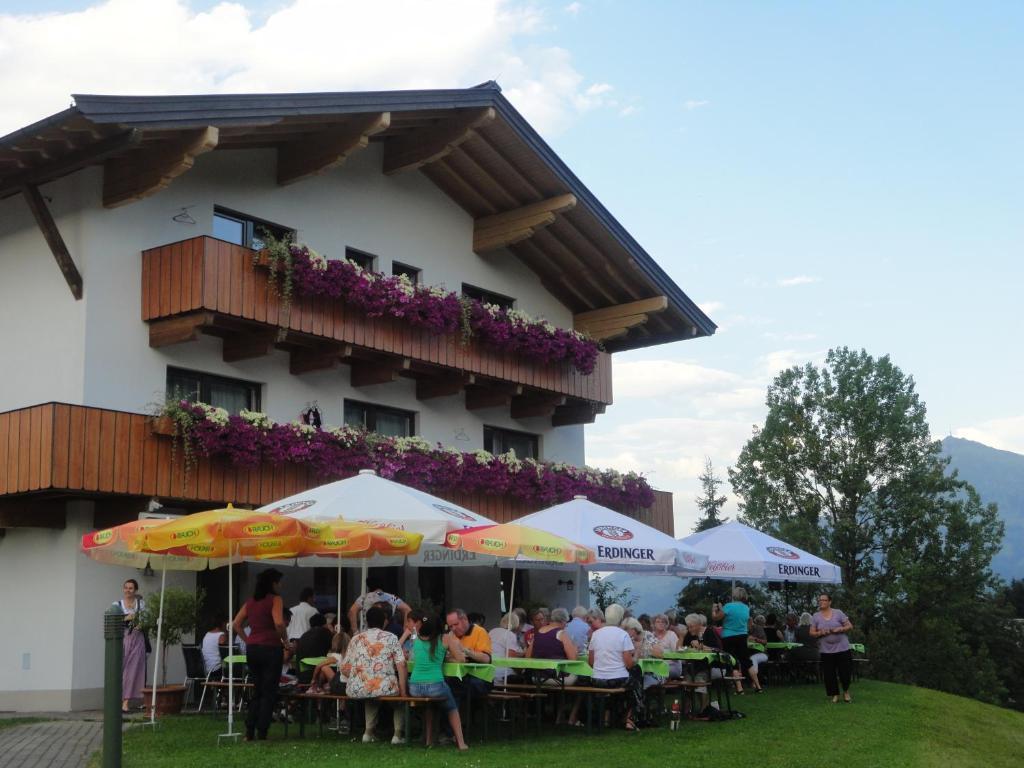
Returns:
point(845, 467)
point(605, 593)
point(181, 614)
point(709, 503)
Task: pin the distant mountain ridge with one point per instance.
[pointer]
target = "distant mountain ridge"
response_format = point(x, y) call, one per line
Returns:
point(999, 477)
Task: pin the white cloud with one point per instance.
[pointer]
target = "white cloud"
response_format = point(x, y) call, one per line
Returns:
point(692, 104)
point(163, 46)
point(659, 378)
point(573, 9)
point(1005, 434)
point(789, 282)
point(709, 307)
point(790, 337)
point(627, 111)
point(781, 359)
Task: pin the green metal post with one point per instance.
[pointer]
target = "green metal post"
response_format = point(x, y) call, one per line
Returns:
point(113, 635)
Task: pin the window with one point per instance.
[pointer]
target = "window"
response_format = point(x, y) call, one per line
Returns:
point(362, 258)
point(240, 229)
point(380, 419)
point(497, 440)
point(488, 297)
point(230, 394)
point(398, 268)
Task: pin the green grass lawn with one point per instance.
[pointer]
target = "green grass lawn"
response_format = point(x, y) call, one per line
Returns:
point(10, 722)
point(888, 726)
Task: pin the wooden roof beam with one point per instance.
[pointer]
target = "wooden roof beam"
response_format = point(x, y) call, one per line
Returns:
point(72, 161)
point(503, 229)
point(44, 219)
point(407, 153)
point(147, 171)
point(328, 149)
point(610, 322)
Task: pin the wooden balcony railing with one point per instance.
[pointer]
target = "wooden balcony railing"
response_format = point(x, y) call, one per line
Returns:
point(58, 451)
point(210, 286)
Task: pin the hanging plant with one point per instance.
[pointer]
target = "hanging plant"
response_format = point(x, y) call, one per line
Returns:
point(298, 268)
point(251, 439)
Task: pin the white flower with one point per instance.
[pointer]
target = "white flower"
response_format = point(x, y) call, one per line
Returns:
point(414, 443)
point(256, 419)
point(483, 457)
point(218, 416)
point(303, 429)
point(317, 260)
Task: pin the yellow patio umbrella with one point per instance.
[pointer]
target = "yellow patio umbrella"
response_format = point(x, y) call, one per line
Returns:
point(229, 533)
point(122, 545)
point(519, 541)
point(512, 540)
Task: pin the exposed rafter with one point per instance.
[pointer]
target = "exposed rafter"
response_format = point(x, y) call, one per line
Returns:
point(530, 406)
point(44, 219)
point(503, 229)
point(366, 373)
point(426, 145)
point(73, 161)
point(146, 171)
point(576, 413)
point(610, 322)
point(443, 386)
point(318, 153)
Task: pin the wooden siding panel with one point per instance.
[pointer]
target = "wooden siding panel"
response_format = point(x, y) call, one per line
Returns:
point(5, 432)
point(46, 446)
point(223, 277)
point(138, 431)
point(105, 465)
point(174, 289)
point(209, 273)
point(237, 262)
point(91, 455)
point(35, 423)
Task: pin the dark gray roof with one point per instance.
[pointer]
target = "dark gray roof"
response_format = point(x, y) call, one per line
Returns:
point(173, 112)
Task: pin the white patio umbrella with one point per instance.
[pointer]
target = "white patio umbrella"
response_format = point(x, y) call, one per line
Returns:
point(737, 551)
point(620, 542)
point(368, 498)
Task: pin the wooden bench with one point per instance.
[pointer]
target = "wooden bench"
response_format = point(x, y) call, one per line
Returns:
point(590, 693)
point(309, 698)
point(410, 703)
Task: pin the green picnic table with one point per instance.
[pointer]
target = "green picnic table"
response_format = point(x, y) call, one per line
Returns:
point(567, 666)
point(783, 646)
point(657, 667)
point(755, 646)
point(858, 647)
point(692, 655)
point(460, 669)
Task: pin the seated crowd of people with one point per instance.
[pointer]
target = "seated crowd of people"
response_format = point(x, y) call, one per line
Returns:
point(383, 647)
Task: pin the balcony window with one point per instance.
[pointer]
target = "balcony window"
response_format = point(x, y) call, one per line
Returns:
point(498, 440)
point(488, 297)
point(398, 268)
point(391, 422)
point(244, 230)
point(362, 258)
point(233, 395)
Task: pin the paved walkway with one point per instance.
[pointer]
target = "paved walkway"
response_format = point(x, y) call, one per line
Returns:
point(56, 744)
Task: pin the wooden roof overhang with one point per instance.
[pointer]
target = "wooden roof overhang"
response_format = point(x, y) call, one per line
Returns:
point(470, 142)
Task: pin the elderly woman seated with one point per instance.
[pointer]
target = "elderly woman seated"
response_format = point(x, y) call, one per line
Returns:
point(668, 641)
point(699, 638)
point(645, 647)
point(552, 641)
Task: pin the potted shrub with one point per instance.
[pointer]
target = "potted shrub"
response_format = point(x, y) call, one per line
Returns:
point(181, 608)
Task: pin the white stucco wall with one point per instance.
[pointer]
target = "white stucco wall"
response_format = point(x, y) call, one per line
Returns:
point(42, 345)
point(404, 218)
point(51, 658)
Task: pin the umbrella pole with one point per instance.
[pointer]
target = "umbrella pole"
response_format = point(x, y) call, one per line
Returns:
point(512, 593)
point(364, 574)
point(231, 666)
point(159, 637)
point(582, 583)
point(338, 619)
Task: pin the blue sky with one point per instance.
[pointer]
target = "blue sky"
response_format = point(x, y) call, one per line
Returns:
point(815, 174)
